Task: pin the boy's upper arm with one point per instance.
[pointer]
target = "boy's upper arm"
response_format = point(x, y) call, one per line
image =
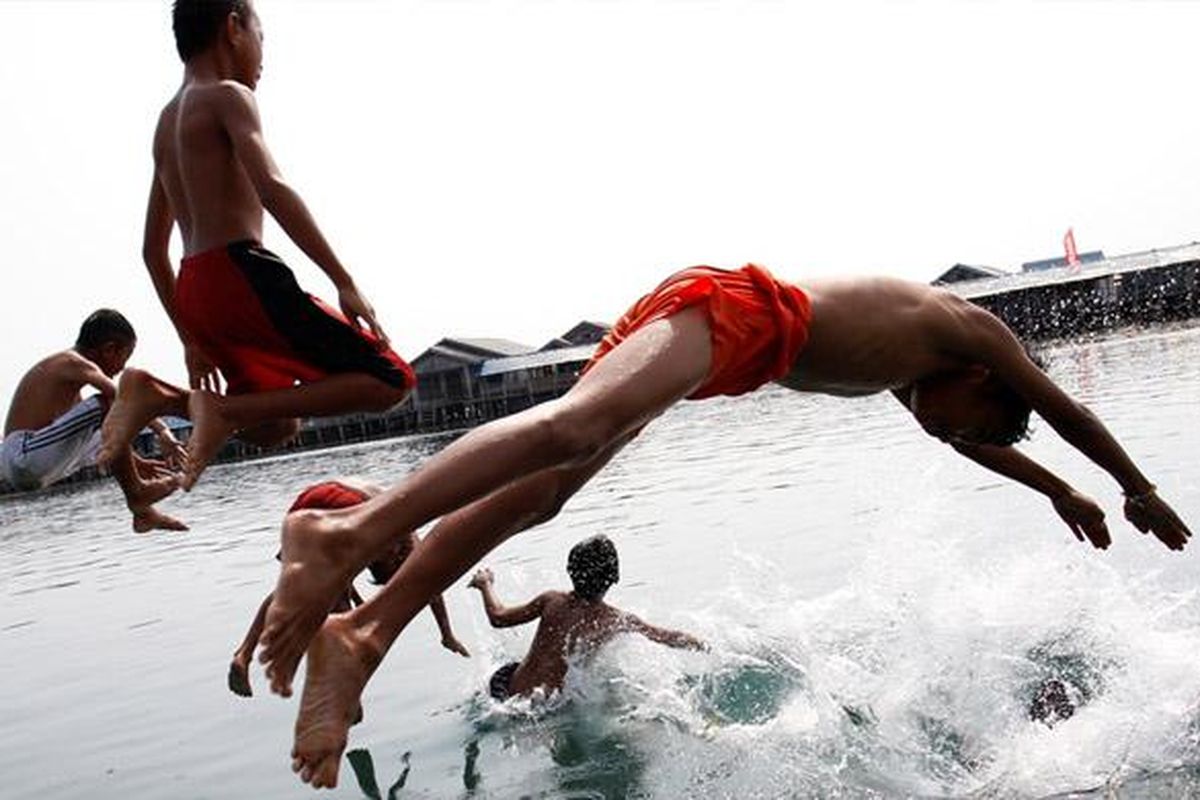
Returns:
point(160, 219)
point(527, 612)
point(238, 112)
point(75, 368)
point(987, 339)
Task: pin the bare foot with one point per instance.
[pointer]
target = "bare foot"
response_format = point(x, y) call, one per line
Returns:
point(151, 519)
point(142, 494)
point(140, 398)
point(339, 665)
point(239, 675)
point(318, 559)
point(210, 430)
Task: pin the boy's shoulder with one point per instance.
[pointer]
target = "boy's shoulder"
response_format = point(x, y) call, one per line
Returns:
point(58, 366)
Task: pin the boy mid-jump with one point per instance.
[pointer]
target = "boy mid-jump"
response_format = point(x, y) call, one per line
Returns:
point(236, 306)
point(702, 332)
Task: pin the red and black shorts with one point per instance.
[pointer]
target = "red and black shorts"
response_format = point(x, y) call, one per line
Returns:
point(242, 306)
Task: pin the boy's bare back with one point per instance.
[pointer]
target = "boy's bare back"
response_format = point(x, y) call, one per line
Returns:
point(874, 334)
point(208, 188)
point(48, 390)
point(568, 626)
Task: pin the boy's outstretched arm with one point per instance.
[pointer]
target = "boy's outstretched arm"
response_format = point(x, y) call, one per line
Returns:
point(1081, 513)
point(239, 665)
point(671, 638)
point(449, 641)
point(239, 116)
point(983, 337)
point(498, 614)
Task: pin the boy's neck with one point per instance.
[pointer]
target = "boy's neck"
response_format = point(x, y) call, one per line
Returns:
point(211, 65)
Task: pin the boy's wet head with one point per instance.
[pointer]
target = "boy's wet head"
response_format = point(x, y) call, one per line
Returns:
point(383, 568)
point(593, 567)
point(970, 405)
point(200, 25)
point(107, 338)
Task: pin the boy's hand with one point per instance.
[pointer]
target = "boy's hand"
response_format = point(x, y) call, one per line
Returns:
point(1149, 513)
point(455, 646)
point(359, 311)
point(201, 372)
point(481, 578)
point(174, 453)
point(1084, 517)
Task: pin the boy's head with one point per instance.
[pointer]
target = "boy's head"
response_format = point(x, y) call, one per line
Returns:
point(385, 566)
point(593, 567)
point(108, 339)
point(970, 405)
point(231, 25)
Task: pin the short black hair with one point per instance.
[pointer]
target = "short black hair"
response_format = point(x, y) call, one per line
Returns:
point(197, 22)
point(105, 326)
point(593, 567)
point(1016, 408)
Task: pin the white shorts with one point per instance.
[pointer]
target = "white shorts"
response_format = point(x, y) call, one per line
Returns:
point(36, 459)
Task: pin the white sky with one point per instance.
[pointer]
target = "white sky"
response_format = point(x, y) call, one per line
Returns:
point(508, 168)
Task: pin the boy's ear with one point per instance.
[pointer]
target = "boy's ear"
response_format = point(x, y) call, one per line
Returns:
point(234, 25)
point(978, 373)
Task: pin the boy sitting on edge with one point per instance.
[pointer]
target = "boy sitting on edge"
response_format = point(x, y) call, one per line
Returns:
point(342, 493)
point(52, 432)
point(569, 623)
point(236, 306)
point(702, 332)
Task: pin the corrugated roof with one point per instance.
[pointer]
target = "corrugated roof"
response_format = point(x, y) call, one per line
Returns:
point(1114, 265)
point(542, 358)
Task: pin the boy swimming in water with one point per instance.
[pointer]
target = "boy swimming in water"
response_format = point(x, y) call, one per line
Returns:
point(236, 306)
point(569, 623)
point(954, 366)
point(51, 431)
point(342, 493)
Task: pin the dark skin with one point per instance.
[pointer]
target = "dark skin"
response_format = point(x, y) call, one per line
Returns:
point(54, 385)
point(865, 336)
point(381, 569)
point(567, 624)
point(214, 178)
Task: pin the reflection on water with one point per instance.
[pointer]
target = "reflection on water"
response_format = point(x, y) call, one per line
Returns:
point(883, 618)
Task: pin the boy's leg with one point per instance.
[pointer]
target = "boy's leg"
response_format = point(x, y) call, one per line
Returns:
point(635, 382)
point(141, 495)
point(347, 649)
point(215, 418)
point(140, 398)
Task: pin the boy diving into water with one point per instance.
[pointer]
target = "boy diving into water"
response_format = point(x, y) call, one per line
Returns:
point(342, 493)
point(569, 623)
point(954, 366)
point(236, 306)
point(51, 431)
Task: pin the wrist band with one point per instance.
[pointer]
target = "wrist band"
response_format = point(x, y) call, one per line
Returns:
point(1140, 497)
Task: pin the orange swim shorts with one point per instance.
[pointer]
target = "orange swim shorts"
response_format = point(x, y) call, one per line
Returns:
point(759, 324)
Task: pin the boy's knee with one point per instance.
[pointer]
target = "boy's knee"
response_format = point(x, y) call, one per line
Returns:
point(270, 434)
point(576, 437)
point(386, 397)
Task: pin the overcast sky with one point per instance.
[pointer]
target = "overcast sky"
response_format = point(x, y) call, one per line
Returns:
point(509, 168)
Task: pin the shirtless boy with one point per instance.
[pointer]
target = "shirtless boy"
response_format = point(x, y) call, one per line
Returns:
point(51, 431)
point(236, 307)
point(955, 367)
point(569, 623)
point(342, 493)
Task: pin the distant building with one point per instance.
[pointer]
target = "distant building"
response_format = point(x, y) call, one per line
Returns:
point(446, 372)
point(1053, 263)
point(961, 273)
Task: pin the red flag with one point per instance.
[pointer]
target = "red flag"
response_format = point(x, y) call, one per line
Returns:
point(1072, 253)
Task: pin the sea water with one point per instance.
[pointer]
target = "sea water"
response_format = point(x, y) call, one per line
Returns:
point(881, 615)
